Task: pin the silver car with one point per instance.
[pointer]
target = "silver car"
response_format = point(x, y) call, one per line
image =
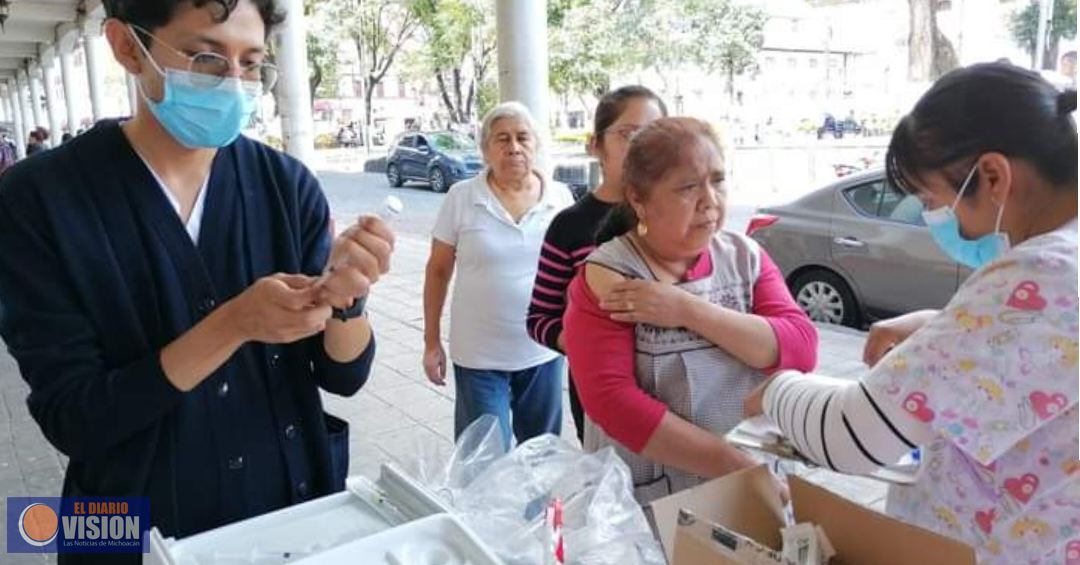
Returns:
point(857, 250)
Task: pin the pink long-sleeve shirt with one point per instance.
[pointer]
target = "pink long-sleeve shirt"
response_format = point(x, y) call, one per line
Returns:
point(601, 351)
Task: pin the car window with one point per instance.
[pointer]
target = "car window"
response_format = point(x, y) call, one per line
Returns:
point(881, 200)
point(452, 142)
point(908, 210)
point(421, 141)
point(405, 141)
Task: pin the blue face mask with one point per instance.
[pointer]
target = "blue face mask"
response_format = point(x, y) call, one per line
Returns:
point(202, 111)
point(945, 229)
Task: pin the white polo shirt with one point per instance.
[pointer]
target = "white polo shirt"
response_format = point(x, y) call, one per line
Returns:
point(495, 268)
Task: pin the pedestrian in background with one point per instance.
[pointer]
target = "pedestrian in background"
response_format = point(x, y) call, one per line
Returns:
point(489, 231)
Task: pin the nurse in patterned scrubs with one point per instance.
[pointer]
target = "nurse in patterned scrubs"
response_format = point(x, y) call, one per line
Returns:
point(987, 388)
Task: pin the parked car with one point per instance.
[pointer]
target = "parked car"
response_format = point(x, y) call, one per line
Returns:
point(580, 175)
point(857, 250)
point(438, 158)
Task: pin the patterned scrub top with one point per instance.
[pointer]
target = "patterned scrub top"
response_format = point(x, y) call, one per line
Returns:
point(995, 376)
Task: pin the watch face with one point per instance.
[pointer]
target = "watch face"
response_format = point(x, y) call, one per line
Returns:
point(354, 311)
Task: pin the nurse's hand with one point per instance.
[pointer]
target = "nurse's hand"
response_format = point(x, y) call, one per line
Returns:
point(278, 309)
point(359, 256)
point(887, 334)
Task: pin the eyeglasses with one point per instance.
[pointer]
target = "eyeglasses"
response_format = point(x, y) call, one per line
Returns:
point(211, 69)
point(626, 132)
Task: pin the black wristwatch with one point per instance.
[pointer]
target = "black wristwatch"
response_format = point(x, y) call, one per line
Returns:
point(354, 311)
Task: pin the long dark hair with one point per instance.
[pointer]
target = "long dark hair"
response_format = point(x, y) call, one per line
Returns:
point(614, 103)
point(989, 107)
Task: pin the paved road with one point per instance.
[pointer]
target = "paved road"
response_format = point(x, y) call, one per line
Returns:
point(352, 194)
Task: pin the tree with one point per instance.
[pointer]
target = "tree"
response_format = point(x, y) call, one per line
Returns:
point(322, 54)
point(458, 50)
point(715, 35)
point(589, 40)
point(1024, 27)
point(322, 50)
point(725, 37)
point(379, 29)
point(930, 53)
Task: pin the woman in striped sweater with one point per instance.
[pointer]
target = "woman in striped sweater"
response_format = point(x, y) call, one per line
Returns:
point(572, 234)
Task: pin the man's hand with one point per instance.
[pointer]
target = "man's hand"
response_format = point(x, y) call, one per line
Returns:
point(279, 308)
point(359, 256)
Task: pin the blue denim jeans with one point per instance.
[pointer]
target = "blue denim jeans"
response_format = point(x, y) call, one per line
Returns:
point(533, 395)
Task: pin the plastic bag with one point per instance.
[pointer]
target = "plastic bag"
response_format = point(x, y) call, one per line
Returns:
point(502, 498)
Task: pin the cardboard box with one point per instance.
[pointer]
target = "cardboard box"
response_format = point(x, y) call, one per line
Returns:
point(746, 502)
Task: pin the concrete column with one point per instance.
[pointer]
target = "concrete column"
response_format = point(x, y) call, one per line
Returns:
point(297, 126)
point(11, 103)
point(5, 108)
point(35, 96)
point(22, 128)
point(94, 49)
point(67, 76)
point(52, 105)
point(22, 93)
point(523, 57)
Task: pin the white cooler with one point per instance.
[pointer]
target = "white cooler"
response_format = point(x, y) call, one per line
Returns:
point(392, 521)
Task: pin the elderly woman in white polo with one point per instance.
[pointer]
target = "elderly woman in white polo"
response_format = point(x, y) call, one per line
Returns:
point(490, 230)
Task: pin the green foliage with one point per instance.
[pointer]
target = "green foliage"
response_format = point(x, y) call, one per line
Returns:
point(325, 141)
point(571, 137)
point(323, 42)
point(322, 53)
point(458, 48)
point(590, 40)
point(487, 97)
point(379, 29)
point(1024, 25)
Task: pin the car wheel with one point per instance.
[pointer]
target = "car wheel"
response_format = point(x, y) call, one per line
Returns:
point(438, 180)
point(826, 298)
point(393, 174)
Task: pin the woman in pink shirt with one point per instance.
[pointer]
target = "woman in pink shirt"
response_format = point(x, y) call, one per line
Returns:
point(673, 323)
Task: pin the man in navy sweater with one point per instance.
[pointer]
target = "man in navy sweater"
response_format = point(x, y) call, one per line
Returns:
point(163, 286)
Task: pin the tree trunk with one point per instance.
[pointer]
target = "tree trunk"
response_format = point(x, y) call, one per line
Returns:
point(920, 40)
point(945, 58)
point(1050, 62)
point(468, 114)
point(586, 107)
point(444, 94)
point(459, 116)
point(930, 53)
point(368, 92)
point(729, 87)
point(315, 80)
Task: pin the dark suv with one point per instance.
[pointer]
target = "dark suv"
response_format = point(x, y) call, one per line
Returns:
point(439, 158)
